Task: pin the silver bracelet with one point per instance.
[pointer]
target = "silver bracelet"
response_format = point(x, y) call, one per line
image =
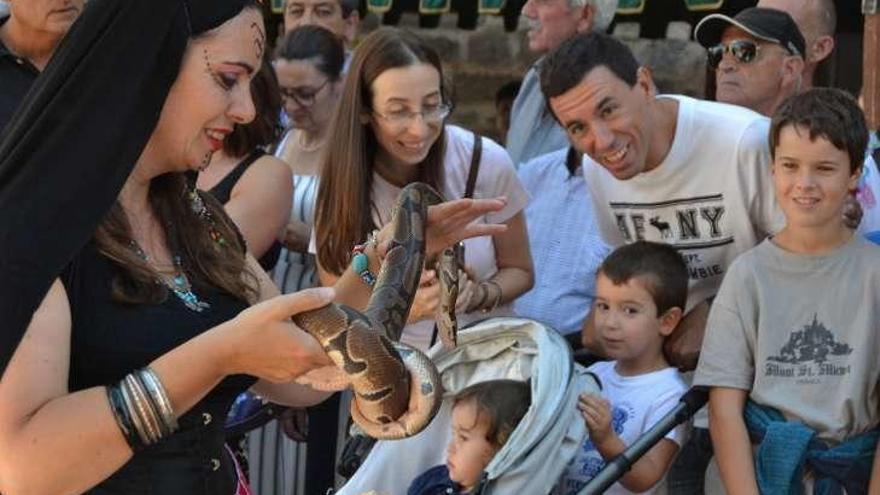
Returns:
point(160, 399)
point(148, 415)
point(132, 413)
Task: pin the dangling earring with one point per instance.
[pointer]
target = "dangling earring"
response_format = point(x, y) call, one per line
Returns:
point(197, 205)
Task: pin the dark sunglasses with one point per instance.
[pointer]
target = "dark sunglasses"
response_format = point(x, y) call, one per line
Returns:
point(743, 51)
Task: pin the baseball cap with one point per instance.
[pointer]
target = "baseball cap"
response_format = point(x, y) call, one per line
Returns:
point(765, 24)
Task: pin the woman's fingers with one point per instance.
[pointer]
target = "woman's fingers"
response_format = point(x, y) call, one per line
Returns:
point(287, 305)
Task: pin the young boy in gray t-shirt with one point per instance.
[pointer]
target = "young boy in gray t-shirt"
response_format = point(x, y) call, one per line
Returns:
point(790, 353)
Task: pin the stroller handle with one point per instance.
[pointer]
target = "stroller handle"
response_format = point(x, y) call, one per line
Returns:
point(688, 405)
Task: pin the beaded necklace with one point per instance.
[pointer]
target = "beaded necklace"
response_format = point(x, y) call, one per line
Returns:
point(178, 283)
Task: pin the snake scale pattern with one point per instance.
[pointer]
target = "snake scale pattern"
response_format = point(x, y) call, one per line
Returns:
point(397, 389)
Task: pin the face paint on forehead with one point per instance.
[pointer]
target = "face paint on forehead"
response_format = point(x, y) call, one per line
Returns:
point(259, 39)
point(207, 61)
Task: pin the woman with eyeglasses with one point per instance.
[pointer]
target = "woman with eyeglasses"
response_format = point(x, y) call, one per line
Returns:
point(309, 64)
point(391, 130)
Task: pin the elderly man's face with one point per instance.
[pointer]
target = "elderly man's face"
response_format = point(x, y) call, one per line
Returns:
point(325, 13)
point(757, 84)
point(551, 22)
point(48, 16)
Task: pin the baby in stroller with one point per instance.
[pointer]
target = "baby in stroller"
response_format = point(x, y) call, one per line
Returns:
point(483, 417)
point(536, 450)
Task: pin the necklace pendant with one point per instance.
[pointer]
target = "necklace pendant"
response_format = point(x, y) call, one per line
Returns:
point(191, 301)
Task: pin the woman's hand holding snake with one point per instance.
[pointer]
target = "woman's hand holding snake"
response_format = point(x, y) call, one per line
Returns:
point(263, 342)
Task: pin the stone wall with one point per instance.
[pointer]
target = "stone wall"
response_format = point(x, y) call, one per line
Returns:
point(483, 60)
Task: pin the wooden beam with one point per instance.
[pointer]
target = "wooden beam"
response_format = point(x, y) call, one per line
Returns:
point(871, 63)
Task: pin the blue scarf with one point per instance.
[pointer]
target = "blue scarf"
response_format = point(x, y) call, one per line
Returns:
point(787, 447)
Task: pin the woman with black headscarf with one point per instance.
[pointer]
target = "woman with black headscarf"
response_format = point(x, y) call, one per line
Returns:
point(124, 333)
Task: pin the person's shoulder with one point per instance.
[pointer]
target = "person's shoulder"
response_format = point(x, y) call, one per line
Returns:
point(544, 165)
point(867, 251)
point(721, 113)
point(430, 481)
point(266, 173)
point(672, 381)
point(461, 142)
point(601, 368)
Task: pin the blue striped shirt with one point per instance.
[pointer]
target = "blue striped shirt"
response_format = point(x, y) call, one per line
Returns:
point(565, 242)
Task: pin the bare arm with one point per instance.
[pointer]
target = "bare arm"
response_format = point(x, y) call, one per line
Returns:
point(513, 258)
point(448, 223)
point(648, 470)
point(733, 450)
point(588, 336)
point(260, 203)
point(75, 436)
point(289, 393)
point(682, 347)
point(874, 487)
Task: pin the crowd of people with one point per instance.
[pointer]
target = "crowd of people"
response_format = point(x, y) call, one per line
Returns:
point(177, 196)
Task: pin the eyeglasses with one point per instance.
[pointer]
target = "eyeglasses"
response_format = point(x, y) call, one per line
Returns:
point(743, 51)
point(304, 96)
point(402, 118)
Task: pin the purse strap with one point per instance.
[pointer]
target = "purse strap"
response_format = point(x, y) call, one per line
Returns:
point(476, 156)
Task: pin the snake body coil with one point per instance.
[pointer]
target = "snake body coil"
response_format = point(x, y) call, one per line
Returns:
point(397, 388)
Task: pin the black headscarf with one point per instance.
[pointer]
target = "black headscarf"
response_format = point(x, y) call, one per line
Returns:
point(76, 137)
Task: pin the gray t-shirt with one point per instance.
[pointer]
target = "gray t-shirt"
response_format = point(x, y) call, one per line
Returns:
point(800, 334)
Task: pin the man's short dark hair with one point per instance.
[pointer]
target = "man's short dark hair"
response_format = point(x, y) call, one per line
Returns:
point(827, 112)
point(658, 266)
point(565, 67)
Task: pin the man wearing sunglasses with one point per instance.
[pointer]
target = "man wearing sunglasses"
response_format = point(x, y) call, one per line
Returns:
point(757, 57)
point(757, 61)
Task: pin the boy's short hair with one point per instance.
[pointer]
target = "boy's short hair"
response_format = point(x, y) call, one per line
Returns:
point(501, 403)
point(827, 112)
point(659, 266)
point(565, 67)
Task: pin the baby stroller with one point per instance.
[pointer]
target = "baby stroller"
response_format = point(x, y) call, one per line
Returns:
point(538, 449)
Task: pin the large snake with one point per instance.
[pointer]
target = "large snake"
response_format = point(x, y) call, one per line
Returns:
point(397, 390)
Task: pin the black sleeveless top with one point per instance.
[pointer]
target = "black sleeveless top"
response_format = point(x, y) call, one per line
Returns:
point(110, 340)
point(223, 191)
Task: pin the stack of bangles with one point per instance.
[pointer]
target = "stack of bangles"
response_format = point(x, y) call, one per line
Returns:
point(483, 303)
point(142, 409)
point(360, 262)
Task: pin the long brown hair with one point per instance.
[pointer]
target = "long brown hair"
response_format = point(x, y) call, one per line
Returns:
point(204, 260)
point(191, 235)
point(342, 216)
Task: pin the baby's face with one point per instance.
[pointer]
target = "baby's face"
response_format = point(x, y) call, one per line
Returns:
point(468, 452)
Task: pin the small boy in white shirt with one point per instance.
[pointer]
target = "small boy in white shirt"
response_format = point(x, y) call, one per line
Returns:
point(641, 289)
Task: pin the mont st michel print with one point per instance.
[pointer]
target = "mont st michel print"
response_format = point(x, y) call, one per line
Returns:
point(809, 355)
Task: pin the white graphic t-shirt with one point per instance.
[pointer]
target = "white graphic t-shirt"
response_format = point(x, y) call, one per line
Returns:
point(711, 197)
point(637, 403)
